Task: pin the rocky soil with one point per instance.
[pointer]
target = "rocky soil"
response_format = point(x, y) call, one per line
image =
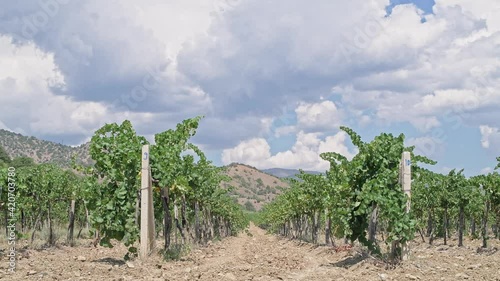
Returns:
point(258, 256)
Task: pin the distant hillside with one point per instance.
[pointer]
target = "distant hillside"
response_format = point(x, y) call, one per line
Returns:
point(42, 151)
point(286, 173)
point(254, 186)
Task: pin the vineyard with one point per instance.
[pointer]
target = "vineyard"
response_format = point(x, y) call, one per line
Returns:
point(104, 198)
point(358, 204)
point(360, 198)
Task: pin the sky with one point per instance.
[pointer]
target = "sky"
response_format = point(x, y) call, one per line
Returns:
point(274, 79)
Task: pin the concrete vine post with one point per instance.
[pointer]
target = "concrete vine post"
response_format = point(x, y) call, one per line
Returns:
point(147, 214)
point(405, 178)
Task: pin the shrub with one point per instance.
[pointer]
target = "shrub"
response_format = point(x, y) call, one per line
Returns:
point(249, 206)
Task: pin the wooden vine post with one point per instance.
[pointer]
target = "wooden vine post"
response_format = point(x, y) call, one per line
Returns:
point(147, 214)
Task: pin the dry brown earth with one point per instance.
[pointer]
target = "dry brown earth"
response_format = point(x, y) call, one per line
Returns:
point(258, 256)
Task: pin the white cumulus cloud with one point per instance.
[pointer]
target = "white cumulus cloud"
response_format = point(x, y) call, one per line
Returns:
point(317, 117)
point(304, 153)
point(490, 137)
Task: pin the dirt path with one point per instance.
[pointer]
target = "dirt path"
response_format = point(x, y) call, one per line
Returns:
point(257, 256)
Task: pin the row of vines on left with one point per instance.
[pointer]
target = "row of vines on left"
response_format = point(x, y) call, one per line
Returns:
point(103, 200)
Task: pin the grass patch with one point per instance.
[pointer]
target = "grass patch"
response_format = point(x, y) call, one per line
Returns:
point(175, 252)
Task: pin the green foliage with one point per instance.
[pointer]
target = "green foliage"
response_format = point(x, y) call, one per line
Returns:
point(348, 191)
point(22, 161)
point(305, 196)
point(116, 150)
point(260, 183)
point(167, 163)
point(177, 166)
point(249, 206)
point(351, 189)
point(175, 252)
point(4, 157)
point(373, 179)
point(43, 193)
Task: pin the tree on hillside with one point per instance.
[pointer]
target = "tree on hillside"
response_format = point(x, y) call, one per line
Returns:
point(249, 206)
point(260, 183)
point(22, 161)
point(4, 157)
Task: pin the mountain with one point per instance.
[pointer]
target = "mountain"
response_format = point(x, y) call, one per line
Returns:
point(286, 173)
point(252, 188)
point(43, 151)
